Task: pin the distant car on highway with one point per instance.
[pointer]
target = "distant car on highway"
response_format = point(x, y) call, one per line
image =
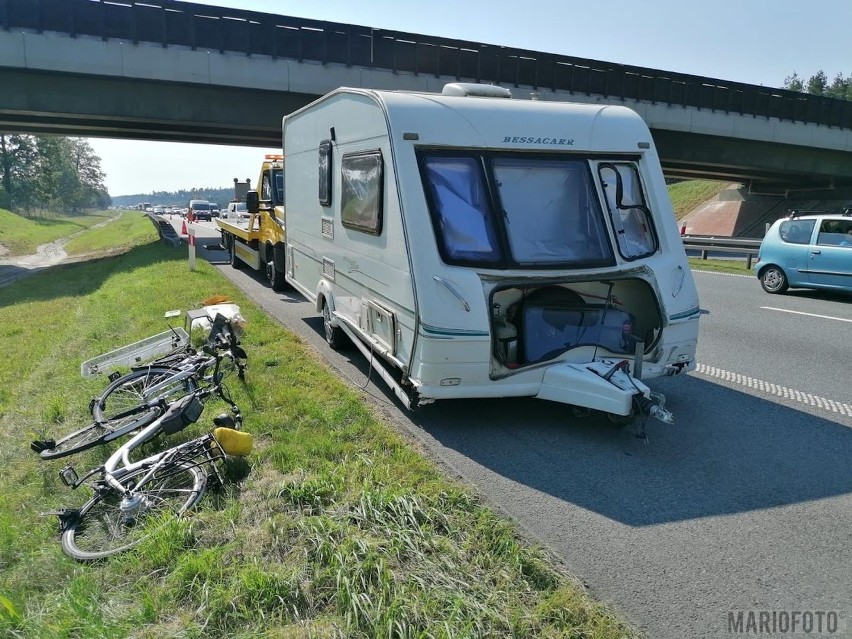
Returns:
point(236, 211)
point(200, 210)
point(808, 249)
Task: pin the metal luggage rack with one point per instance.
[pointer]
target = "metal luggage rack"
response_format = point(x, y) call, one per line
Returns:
point(137, 352)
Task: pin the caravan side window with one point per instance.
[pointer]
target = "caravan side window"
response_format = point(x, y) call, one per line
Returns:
point(361, 192)
point(324, 166)
point(460, 210)
point(628, 211)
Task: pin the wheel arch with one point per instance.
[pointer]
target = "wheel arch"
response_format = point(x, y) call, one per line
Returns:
point(769, 265)
point(325, 296)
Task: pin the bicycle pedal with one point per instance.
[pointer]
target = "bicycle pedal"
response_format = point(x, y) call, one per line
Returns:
point(39, 445)
point(67, 517)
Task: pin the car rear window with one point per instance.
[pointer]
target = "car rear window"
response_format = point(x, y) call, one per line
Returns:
point(796, 231)
point(201, 206)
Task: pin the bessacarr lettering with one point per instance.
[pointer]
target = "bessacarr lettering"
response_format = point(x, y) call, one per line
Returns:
point(537, 140)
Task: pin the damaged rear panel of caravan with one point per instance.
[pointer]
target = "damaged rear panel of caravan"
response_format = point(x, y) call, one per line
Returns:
point(480, 246)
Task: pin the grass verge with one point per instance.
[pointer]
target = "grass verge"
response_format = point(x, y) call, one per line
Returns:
point(129, 229)
point(21, 235)
point(720, 266)
point(685, 196)
point(339, 529)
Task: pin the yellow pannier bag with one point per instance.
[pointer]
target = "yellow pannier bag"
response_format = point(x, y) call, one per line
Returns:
point(233, 442)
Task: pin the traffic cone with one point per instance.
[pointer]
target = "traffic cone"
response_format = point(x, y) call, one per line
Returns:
point(183, 228)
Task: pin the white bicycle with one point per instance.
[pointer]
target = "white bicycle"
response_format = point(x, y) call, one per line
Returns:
point(133, 498)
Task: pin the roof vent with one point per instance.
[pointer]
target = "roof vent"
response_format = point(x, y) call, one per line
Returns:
point(467, 89)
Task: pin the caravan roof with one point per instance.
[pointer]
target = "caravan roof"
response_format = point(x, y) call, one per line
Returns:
point(504, 123)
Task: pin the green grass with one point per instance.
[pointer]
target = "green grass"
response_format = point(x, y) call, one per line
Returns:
point(21, 235)
point(685, 196)
point(338, 529)
point(131, 228)
point(721, 266)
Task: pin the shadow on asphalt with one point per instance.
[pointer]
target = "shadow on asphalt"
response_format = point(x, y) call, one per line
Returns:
point(844, 297)
point(729, 452)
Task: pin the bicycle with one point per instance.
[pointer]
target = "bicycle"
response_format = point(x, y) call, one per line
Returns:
point(128, 403)
point(131, 498)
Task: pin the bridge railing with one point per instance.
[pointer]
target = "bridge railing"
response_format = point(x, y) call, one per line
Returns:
point(197, 26)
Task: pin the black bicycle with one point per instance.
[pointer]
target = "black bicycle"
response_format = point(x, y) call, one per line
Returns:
point(130, 402)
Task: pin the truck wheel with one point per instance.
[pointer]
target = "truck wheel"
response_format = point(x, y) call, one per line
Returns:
point(274, 275)
point(334, 335)
point(236, 262)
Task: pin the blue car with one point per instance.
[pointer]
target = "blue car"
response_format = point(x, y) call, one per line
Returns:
point(807, 250)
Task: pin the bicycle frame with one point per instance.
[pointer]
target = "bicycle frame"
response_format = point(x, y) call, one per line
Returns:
point(119, 464)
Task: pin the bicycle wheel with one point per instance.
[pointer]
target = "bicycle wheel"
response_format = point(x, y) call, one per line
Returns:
point(103, 528)
point(125, 400)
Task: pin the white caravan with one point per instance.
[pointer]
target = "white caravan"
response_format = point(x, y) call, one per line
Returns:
point(479, 246)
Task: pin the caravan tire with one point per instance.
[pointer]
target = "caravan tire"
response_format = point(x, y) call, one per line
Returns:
point(334, 335)
point(274, 274)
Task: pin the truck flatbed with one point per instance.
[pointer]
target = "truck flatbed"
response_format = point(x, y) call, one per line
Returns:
point(244, 228)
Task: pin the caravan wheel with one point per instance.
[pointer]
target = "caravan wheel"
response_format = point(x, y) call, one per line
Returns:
point(334, 335)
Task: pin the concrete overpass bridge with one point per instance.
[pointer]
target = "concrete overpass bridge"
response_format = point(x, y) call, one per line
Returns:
point(184, 72)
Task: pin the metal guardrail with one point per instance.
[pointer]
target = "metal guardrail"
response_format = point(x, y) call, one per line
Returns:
point(709, 244)
point(166, 231)
point(167, 22)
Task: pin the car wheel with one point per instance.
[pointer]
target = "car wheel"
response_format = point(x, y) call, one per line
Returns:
point(773, 280)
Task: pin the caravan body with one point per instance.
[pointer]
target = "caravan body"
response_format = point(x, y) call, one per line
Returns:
point(489, 247)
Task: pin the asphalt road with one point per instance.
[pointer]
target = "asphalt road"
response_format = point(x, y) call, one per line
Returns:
point(745, 504)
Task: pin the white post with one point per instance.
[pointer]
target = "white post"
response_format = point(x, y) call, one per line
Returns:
point(190, 231)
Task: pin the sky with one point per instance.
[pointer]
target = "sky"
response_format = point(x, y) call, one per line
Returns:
point(751, 41)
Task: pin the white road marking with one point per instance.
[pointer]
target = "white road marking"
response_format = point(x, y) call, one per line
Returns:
point(784, 310)
point(775, 389)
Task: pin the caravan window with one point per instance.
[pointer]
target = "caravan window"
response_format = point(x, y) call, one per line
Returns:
point(514, 210)
point(550, 211)
point(324, 169)
point(630, 216)
point(460, 207)
point(361, 192)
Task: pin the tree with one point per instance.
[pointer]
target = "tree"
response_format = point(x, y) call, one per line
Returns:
point(18, 168)
point(818, 83)
point(50, 173)
point(794, 83)
point(90, 178)
point(840, 87)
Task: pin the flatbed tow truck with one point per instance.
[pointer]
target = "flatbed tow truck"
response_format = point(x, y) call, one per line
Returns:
point(259, 241)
